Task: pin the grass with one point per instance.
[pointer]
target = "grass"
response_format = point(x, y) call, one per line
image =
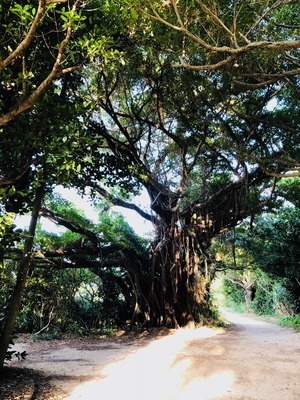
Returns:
point(290, 321)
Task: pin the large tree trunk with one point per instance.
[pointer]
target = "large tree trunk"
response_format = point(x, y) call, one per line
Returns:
point(180, 276)
point(179, 279)
point(15, 300)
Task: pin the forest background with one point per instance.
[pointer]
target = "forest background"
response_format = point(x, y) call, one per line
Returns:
point(194, 102)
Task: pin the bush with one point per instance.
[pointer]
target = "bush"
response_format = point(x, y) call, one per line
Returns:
point(70, 300)
point(234, 296)
point(263, 302)
point(291, 321)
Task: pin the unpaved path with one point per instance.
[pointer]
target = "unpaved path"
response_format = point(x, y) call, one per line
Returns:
point(253, 360)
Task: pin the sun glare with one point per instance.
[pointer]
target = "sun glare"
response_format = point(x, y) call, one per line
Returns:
point(159, 371)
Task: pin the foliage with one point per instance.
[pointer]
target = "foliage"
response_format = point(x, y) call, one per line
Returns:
point(10, 354)
point(292, 321)
point(77, 299)
point(271, 243)
point(67, 301)
point(277, 237)
point(289, 189)
point(234, 296)
point(183, 112)
point(263, 303)
point(115, 230)
point(271, 296)
point(47, 298)
point(43, 45)
point(229, 35)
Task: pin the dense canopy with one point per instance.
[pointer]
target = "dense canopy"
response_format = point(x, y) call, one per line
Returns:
point(196, 102)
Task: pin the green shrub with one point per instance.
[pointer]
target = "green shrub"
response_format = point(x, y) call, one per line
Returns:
point(292, 321)
point(263, 303)
point(234, 296)
point(76, 328)
point(48, 336)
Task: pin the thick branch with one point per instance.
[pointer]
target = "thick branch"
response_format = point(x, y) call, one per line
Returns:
point(204, 67)
point(61, 264)
point(235, 281)
point(72, 226)
point(268, 79)
point(263, 44)
point(121, 203)
point(74, 258)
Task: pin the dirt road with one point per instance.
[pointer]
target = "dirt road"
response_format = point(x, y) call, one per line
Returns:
point(252, 361)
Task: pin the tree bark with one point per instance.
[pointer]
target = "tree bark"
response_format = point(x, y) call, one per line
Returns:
point(179, 278)
point(15, 300)
point(249, 297)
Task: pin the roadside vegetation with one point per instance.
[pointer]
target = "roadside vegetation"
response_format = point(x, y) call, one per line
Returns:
point(258, 264)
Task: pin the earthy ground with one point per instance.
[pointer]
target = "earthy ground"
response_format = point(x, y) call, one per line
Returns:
point(253, 360)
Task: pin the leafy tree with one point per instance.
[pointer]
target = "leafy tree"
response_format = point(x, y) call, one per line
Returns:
point(256, 41)
point(233, 296)
point(113, 252)
point(271, 245)
point(84, 277)
point(235, 265)
point(138, 114)
point(277, 237)
point(172, 129)
point(41, 48)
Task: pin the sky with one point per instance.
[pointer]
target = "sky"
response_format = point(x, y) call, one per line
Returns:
point(141, 227)
point(138, 223)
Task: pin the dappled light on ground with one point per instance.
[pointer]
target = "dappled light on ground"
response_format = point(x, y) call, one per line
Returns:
point(213, 386)
point(157, 371)
point(239, 319)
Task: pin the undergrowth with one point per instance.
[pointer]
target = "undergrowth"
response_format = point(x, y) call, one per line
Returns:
point(291, 321)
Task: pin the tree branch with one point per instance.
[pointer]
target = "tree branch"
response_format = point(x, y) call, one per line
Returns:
point(74, 258)
point(15, 176)
point(231, 51)
point(55, 72)
point(19, 51)
point(72, 226)
point(121, 203)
